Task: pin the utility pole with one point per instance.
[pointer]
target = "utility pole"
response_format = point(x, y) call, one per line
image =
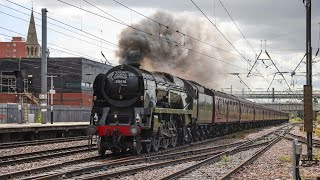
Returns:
point(44, 54)
point(308, 108)
point(52, 92)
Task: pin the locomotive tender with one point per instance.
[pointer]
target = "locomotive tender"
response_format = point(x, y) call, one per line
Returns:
point(144, 111)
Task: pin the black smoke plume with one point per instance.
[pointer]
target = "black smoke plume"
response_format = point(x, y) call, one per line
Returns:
point(172, 52)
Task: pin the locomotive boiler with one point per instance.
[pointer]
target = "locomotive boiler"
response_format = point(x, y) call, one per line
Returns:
point(138, 110)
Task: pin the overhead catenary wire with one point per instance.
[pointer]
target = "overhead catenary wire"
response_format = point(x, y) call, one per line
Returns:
point(77, 53)
point(224, 36)
point(150, 34)
point(68, 25)
point(241, 80)
point(57, 31)
point(175, 30)
point(290, 33)
point(53, 69)
point(206, 55)
point(237, 26)
point(81, 35)
point(219, 30)
point(25, 61)
point(160, 24)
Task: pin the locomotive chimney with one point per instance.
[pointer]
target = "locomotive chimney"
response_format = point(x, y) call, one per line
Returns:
point(133, 57)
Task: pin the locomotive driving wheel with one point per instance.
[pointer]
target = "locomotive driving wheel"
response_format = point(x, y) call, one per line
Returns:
point(155, 144)
point(202, 134)
point(196, 136)
point(174, 140)
point(165, 143)
point(146, 146)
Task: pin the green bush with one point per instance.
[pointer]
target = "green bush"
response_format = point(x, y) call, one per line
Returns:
point(318, 118)
point(296, 120)
point(38, 118)
point(317, 131)
point(226, 158)
point(285, 158)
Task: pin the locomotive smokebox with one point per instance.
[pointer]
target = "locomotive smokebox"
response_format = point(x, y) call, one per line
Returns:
point(133, 57)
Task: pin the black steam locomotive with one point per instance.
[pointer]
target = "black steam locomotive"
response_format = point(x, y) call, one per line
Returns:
point(140, 111)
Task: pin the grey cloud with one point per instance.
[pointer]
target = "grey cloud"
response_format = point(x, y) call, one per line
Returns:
point(274, 20)
point(258, 19)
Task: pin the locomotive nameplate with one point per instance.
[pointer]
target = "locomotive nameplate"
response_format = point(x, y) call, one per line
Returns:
point(120, 77)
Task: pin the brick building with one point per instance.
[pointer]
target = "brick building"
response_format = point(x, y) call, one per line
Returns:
point(20, 73)
point(14, 49)
point(19, 48)
point(73, 85)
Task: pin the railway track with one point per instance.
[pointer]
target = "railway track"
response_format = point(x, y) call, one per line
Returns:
point(215, 158)
point(254, 157)
point(39, 155)
point(36, 170)
point(170, 159)
point(39, 142)
point(158, 165)
point(316, 143)
point(51, 170)
point(52, 167)
point(179, 157)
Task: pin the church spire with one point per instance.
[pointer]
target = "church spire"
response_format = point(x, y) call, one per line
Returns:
point(32, 32)
point(33, 48)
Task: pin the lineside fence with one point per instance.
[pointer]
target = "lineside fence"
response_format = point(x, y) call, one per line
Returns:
point(15, 113)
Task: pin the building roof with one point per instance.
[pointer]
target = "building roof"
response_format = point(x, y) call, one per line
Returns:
point(32, 32)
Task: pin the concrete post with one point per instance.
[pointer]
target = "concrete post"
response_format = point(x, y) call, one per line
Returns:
point(296, 152)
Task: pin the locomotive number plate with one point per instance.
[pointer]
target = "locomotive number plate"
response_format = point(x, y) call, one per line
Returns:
point(121, 81)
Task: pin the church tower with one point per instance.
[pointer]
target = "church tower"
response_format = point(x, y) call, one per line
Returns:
point(33, 49)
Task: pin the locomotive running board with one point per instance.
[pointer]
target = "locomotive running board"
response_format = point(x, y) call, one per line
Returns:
point(171, 111)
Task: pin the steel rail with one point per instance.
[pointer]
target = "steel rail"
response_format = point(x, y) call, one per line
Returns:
point(254, 157)
point(148, 157)
point(46, 168)
point(141, 159)
point(59, 165)
point(302, 138)
point(39, 142)
point(136, 160)
point(36, 156)
point(316, 145)
point(161, 164)
point(47, 176)
point(213, 159)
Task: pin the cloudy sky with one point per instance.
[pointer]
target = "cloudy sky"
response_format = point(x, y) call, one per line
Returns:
point(280, 23)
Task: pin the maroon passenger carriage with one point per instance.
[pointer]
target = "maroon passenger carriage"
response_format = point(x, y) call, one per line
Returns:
point(139, 111)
